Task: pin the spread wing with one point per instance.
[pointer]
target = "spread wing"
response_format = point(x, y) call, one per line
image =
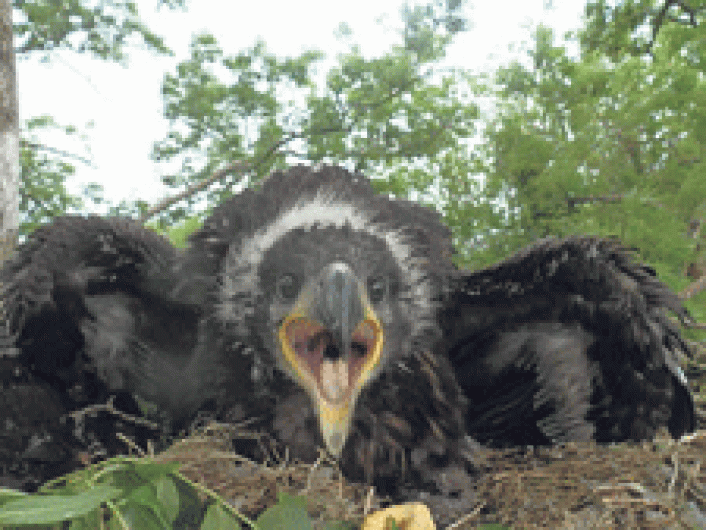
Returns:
point(568, 340)
point(91, 312)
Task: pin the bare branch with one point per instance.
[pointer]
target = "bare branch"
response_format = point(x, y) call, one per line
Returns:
point(194, 188)
point(694, 289)
point(660, 19)
point(60, 152)
point(109, 407)
point(236, 167)
point(573, 201)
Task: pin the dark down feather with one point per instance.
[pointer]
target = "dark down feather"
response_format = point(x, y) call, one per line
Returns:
point(568, 340)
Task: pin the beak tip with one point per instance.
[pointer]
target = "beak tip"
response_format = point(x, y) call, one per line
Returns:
point(335, 444)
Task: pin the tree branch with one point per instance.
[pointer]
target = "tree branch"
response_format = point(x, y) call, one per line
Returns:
point(573, 201)
point(694, 289)
point(192, 189)
point(660, 18)
point(56, 151)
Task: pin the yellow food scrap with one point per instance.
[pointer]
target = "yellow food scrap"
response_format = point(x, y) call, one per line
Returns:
point(412, 516)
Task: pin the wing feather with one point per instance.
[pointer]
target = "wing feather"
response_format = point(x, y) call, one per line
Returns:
point(581, 329)
point(88, 309)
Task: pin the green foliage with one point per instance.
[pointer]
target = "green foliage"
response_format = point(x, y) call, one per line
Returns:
point(123, 493)
point(385, 113)
point(119, 493)
point(603, 144)
point(34, 509)
point(609, 143)
point(429, 28)
point(216, 121)
point(179, 233)
point(633, 27)
point(100, 28)
point(377, 115)
point(43, 173)
point(103, 27)
point(289, 513)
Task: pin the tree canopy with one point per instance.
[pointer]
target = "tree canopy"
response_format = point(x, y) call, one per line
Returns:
point(600, 132)
point(101, 29)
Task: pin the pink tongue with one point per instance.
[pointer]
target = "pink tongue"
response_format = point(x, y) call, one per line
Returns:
point(332, 375)
point(334, 379)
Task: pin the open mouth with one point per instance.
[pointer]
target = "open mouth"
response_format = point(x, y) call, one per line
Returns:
point(332, 344)
point(317, 357)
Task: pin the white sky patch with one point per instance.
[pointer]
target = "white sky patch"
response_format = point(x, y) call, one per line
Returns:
point(125, 104)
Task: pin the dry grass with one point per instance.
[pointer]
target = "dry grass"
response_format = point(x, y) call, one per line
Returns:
point(252, 487)
point(653, 485)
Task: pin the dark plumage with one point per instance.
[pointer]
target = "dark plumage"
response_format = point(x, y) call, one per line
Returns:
point(567, 340)
point(336, 317)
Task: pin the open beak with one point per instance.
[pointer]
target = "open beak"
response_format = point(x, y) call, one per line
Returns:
point(332, 340)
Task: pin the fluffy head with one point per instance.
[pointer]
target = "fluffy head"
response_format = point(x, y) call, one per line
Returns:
point(314, 216)
point(281, 249)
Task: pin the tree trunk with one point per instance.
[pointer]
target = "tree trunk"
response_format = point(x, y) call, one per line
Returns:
point(9, 136)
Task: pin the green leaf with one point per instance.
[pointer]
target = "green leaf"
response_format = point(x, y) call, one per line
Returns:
point(217, 518)
point(288, 514)
point(191, 508)
point(168, 497)
point(7, 494)
point(92, 521)
point(142, 516)
point(50, 509)
point(146, 496)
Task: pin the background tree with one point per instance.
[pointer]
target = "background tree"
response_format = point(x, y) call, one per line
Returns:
point(100, 28)
point(610, 142)
point(40, 28)
point(9, 136)
point(590, 145)
point(388, 116)
point(44, 171)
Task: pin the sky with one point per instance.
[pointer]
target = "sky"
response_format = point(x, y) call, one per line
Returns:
point(118, 108)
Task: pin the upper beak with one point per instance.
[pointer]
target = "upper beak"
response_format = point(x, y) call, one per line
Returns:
point(339, 308)
point(333, 340)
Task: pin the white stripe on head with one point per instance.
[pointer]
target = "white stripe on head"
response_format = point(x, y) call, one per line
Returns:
point(240, 278)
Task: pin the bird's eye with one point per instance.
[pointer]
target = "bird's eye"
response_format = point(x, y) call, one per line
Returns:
point(287, 287)
point(377, 289)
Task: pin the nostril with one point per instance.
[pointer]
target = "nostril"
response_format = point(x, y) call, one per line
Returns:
point(315, 341)
point(331, 351)
point(359, 349)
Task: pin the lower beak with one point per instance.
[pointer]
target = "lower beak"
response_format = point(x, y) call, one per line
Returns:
point(333, 340)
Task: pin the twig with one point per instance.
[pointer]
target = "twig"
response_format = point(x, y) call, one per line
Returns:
point(130, 443)
point(368, 505)
point(673, 480)
point(37, 146)
point(192, 189)
point(467, 517)
point(659, 20)
point(110, 408)
point(316, 464)
point(231, 168)
point(692, 290)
